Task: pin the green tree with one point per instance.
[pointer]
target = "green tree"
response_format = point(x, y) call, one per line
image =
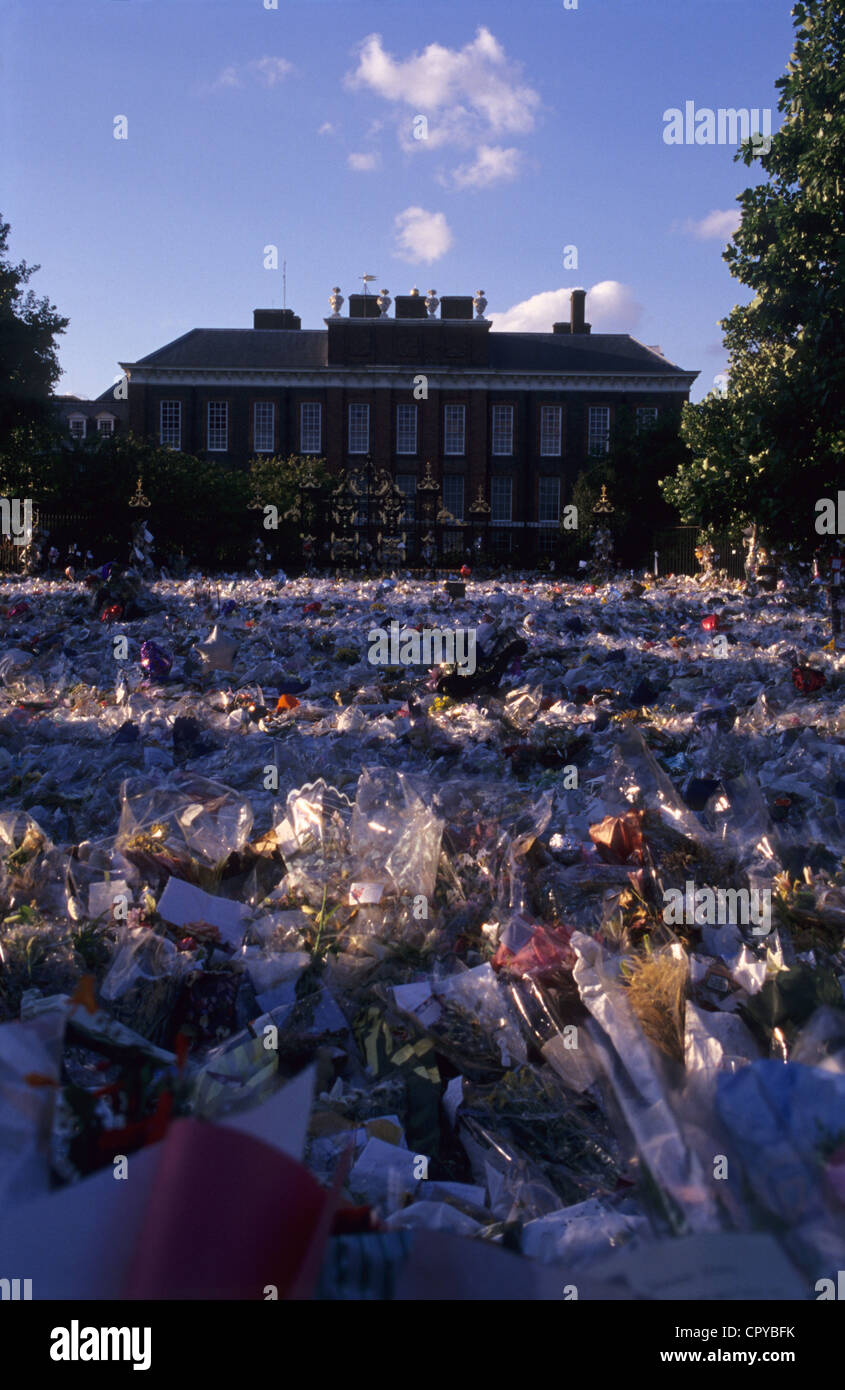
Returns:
point(197, 507)
point(632, 472)
point(277, 482)
point(765, 450)
point(29, 364)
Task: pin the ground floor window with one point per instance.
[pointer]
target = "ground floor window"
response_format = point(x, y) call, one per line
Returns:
point(501, 542)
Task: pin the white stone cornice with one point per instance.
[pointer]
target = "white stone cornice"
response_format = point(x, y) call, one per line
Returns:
point(381, 378)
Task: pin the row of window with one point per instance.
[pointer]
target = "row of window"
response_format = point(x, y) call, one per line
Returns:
point(501, 542)
point(78, 425)
point(501, 497)
point(358, 432)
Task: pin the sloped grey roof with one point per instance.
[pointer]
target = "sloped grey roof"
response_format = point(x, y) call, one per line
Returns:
point(564, 352)
point(108, 395)
point(242, 347)
point(269, 348)
point(99, 405)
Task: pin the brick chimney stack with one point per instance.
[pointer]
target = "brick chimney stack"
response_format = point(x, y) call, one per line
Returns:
point(276, 319)
point(577, 302)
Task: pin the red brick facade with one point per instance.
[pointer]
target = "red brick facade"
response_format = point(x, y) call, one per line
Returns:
point(379, 362)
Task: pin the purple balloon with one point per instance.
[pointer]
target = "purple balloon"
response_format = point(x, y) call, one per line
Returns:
point(155, 660)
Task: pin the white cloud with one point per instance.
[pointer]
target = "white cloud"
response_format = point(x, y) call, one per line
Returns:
point(492, 164)
point(421, 235)
point(611, 308)
point(716, 226)
point(363, 163)
point(228, 78)
point(267, 71)
point(469, 94)
point(272, 70)
point(327, 129)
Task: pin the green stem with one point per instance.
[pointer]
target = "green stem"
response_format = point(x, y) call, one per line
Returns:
point(320, 920)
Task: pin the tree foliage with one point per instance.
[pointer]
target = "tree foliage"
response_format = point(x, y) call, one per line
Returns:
point(29, 364)
point(198, 507)
point(773, 443)
point(631, 472)
point(277, 481)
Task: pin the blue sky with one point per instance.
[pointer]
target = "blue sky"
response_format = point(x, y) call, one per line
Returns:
point(294, 127)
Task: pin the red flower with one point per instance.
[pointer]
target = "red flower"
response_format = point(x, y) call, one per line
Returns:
point(546, 954)
point(807, 679)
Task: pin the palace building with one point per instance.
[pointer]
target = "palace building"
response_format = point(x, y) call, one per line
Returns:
point(507, 417)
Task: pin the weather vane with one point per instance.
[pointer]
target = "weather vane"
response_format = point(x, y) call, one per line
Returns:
point(367, 279)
